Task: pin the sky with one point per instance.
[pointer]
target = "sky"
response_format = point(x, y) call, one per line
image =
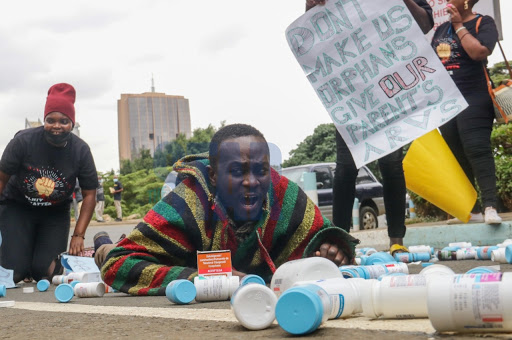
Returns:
point(229, 58)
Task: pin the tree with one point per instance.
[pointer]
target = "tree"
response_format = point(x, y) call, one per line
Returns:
point(319, 147)
point(499, 72)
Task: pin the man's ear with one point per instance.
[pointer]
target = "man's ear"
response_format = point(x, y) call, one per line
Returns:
point(213, 175)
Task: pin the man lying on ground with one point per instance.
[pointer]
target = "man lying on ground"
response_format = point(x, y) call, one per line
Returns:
point(232, 200)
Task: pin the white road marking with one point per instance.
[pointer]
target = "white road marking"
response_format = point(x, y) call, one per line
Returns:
point(225, 315)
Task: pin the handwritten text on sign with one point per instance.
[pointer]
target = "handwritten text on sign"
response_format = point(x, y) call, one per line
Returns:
point(375, 73)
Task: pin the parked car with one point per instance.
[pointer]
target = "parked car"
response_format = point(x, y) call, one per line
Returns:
point(369, 191)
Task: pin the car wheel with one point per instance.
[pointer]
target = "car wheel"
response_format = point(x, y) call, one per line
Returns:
point(368, 218)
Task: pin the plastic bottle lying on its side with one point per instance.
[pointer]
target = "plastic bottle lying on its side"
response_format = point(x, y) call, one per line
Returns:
point(471, 303)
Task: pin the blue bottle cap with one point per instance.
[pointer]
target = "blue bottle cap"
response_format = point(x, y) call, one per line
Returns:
point(43, 285)
point(508, 253)
point(426, 264)
point(482, 270)
point(423, 257)
point(349, 273)
point(380, 257)
point(363, 272)
point(3, 291)
point(181, 292)
point(363, 258)
point(74, 283)
point(64, 292)
point(299, 311)
point(252, 278)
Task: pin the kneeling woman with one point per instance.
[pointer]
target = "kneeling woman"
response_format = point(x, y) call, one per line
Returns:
point(38, 171)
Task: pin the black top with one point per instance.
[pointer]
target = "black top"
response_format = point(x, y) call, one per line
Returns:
point(117, 186)
point(468, 74)
point(43, 175)
point(424, 4)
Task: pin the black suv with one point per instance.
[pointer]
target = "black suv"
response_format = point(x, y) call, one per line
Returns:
point(369, 191)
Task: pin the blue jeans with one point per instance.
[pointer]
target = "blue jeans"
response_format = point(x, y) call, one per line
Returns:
point(344, 189)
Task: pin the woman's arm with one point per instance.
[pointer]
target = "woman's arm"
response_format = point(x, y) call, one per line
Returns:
point(471, 45)
point(420, 15)
point(76, 244)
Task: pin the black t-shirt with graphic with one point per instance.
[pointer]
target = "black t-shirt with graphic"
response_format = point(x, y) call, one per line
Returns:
point(468, 74)
point(43, 175)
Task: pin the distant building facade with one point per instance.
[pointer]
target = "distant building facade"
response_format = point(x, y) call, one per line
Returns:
point(149, 121)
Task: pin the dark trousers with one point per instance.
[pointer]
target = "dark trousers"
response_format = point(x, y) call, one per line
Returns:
point(344, 189)
point(32, 238)
point(469, 137)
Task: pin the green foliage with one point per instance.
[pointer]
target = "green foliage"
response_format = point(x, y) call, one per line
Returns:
point(504, 179)
point(499, 72)
point(319, 147)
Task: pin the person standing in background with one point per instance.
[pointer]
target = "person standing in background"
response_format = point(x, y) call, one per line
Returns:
point(100, 201)
point(390, 166)
point(118, 188)
point(463, 44)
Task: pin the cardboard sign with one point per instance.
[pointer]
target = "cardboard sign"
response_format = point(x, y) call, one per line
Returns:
point(214, 263)
point(375, 73)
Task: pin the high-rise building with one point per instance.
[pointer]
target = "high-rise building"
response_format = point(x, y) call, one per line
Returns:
point(149, 121)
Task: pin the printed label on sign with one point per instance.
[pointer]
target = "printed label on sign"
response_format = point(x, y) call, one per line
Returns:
point(214, 263)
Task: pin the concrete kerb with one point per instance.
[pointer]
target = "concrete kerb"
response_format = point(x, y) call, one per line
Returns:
point(438, 236)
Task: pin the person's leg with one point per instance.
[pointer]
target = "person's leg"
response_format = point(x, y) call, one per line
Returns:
point(450, 133)
point(344, 186)
point(99, 211)
point(119, 212)
point(101, 254)
point(52, 239)
point(18, 236)
point(393, 181)
point(475, 127)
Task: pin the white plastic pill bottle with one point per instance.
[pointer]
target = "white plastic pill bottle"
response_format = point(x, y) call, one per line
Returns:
point(311, 268)
point(471, 303)
point(396, 297)
point(301, 310)
point(345, 295)
point(215, 288)
point(254, 306)
point(90, 289)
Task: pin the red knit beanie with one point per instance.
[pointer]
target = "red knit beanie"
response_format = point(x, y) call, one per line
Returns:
point(61, 98)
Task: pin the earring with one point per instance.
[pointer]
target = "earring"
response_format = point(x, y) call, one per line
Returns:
point(466, 4)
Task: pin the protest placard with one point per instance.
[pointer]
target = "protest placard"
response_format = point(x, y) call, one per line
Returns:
point(375, 73)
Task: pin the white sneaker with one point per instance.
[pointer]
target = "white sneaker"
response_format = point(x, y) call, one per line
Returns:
point(491, 216)
point(475, 218)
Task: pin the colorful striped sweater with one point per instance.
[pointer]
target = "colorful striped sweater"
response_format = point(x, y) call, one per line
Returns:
point(164, 246)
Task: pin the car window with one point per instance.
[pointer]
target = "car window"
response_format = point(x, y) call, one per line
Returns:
point(363, 177)
point(295, 175)
point(323, 175)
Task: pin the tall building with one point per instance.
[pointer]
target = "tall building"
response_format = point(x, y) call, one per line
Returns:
point(149, 121)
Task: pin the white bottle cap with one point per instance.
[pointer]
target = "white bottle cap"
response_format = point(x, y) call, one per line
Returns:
point(254, 306)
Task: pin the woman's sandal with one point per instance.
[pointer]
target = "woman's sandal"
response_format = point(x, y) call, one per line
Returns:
point(398, 248)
